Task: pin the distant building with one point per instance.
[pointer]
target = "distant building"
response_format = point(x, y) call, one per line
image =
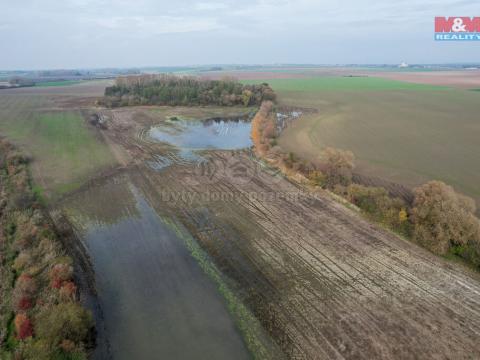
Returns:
point(403, 65)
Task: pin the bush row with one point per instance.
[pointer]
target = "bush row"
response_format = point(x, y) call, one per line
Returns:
point(439, 219)
point(40, 317)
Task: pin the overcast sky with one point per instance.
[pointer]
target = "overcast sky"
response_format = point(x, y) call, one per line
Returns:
point(46, 34)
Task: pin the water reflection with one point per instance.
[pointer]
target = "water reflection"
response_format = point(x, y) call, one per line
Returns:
point(203, 135)
point(157, 302)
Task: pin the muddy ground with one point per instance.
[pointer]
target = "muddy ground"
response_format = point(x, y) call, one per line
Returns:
point(324, 282)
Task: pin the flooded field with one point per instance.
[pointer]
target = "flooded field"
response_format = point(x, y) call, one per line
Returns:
point(218, 256)
point(157, 301)
point(323, 282)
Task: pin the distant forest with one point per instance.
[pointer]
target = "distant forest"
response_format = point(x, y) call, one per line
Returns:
point(184, 90)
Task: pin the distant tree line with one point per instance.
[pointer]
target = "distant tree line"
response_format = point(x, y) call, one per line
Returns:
point(184, 90)
point(21, 82)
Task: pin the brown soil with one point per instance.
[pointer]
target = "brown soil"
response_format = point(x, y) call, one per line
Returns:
point(323, 281)
point(463, 79)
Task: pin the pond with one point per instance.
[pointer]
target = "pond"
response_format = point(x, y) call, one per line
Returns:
point(223, 134)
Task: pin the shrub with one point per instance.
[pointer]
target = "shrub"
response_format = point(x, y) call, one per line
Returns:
point(403, 216)
point(26, 233)
point(23, 326)
point(377, 203)
point(247, 97)
point(25, 303)
point(68, 290)
point(369, 199)
point(23, 260)
point(36, 350)
point(289, 159)
point(65, 321)
point(59, 274)
point(67, 346)
point(337, 166)
point(444, 219)
point(25, 286)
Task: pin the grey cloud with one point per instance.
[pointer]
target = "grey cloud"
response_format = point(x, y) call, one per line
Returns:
point(55, 33)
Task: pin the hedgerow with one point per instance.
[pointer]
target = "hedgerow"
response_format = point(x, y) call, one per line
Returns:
point(440, 219)
point(40, 317)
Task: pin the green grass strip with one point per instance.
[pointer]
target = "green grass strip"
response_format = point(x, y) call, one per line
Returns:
point(249, 326)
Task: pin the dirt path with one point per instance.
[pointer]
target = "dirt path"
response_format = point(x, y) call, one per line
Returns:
point(322, 280)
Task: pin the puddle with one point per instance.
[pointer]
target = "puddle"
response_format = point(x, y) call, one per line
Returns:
point(204, 135)
point(286, 118)
point(157, 301)
point(180, 157)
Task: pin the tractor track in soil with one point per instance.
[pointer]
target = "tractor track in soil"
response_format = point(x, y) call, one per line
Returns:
point(323, 281)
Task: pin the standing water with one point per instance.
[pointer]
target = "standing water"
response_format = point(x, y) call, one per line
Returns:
point(157, 302)
point(204, 135)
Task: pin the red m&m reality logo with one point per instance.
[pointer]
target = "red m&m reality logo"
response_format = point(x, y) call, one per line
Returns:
point(459, 28)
